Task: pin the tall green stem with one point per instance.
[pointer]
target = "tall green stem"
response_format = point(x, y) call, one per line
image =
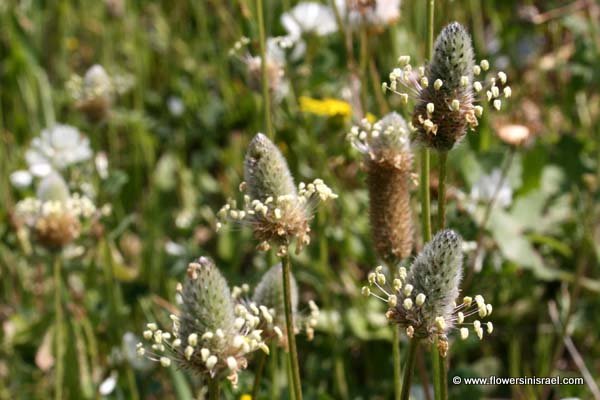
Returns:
point(289, 324)
point(213, 389)
point(435, 365)
point(260, 368)
point(443, 162)
point(263, 70)
point(408, 368)
point(397, 367)
point(443, 377)
point(59, 334)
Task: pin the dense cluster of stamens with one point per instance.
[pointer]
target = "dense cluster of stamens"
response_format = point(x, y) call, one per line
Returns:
point(269, 293)
point(424, 303)
point(278, 211)
point(445, 91)
point(95, 91)
point(277, 220)
point(55, 216)
point(388, 164)
point(212, 335)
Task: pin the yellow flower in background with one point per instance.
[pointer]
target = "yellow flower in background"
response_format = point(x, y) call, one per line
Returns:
point(246, 397)
point(371, 118)
point(328, 107)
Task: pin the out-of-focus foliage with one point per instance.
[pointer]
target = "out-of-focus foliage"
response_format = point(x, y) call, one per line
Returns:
point(175, 138)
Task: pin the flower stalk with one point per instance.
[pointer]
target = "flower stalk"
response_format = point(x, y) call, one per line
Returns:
point(263, 69)
point(290, 331)
point(409, 367)
point(397, 366)
point(59, 334)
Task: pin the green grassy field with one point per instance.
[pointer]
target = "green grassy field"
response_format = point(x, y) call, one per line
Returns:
point(185, 94)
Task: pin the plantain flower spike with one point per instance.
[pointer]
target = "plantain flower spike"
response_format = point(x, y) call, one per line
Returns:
point(212, 335)
point(54, 216)
point(423, 300)
point(277, 210)
point(388, 163)
point(446, 91)
point(269, 293)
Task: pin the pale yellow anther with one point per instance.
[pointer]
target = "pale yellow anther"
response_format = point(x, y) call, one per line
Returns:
point(489, 95)
point(211, 361)
point(204, 354)
point(489, 309)
point(193, 339)
point(407, 304)
point(478, 111)
point(392, 300)
point(397, 284)
point(490, 327)
point(403, 61)
point(461, 317)
point(371, 277)
point(424, 82)
point(482, 311)
point(464, 81)
point(188, 352)
point(410, 331)
point(165, 362)
point(467, 300)
point(437, 84)
point(365, 291)
point(464, 333)
point(420, 300)
point(497, 104)
point(502, 77)
point(477, 86)
point(455, 105)
point(232, 363)
point(495, 91)
point(381, 279)
point(408, 288)
point(440, 323)
point(476, 70)
point(485, 65)
point(430, 108)
point(148, 334)
point(507, 92)
point(404, 98)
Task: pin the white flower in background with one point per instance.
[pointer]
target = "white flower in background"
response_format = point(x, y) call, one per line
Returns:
point(56, 148)
point(176, 106)
point(101, 161)
point(309, 17)
point(21, 179)
point(275, 56)
point(377, 13)
point(488, 185)
point(109, 384)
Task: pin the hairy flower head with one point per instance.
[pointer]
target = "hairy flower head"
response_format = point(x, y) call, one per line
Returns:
point(445, 91)
point(277, 210)
point(55, 216)
point(269, 293)
point(211, 335)
point(423, 300)
point(388, 163)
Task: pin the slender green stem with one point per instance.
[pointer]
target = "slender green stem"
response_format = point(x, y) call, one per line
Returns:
point(435, 366)
point(263, 70)
point(59, 334)
point(213, 389)
point(363, 66)
point(443, 162)
point(397, 367)
point(260, 368)
point(443, 377)
point(408, 368)
point(425, 196)
point(289, 323)
point(424, 192)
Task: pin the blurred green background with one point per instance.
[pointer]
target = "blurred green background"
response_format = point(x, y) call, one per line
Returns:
point(175, 143)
